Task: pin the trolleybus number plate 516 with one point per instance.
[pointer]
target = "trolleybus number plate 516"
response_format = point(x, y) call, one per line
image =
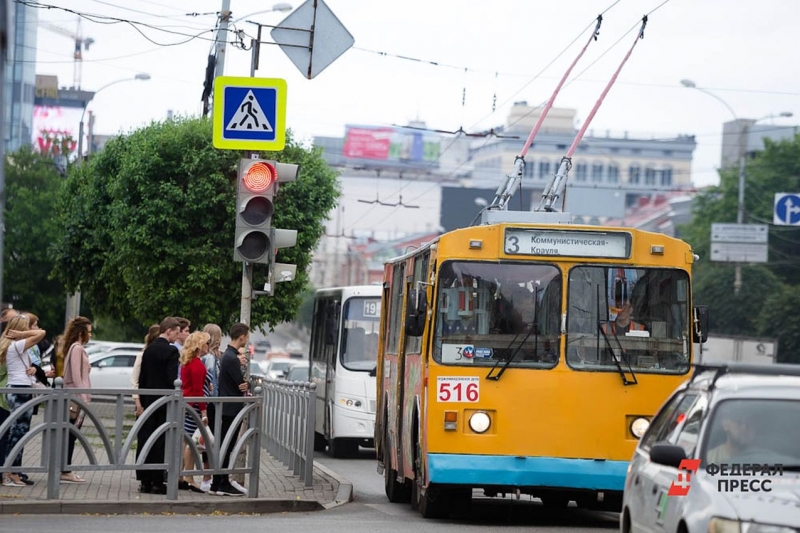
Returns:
point(458, 389)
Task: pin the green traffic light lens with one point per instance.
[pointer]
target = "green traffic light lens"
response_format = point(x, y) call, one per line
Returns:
point(254, 245)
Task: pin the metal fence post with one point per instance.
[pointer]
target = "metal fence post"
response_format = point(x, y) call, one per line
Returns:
point(311, 417)
point(173, 446)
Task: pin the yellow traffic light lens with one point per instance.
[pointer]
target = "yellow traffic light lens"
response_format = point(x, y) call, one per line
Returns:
point(259, 177)
point(257, 210)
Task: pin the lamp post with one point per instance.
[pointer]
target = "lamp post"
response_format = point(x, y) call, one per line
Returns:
point(743, 130)
point(141, 76)
point(74, 300)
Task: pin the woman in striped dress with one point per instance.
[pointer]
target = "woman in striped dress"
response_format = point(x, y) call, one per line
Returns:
point(193, 379)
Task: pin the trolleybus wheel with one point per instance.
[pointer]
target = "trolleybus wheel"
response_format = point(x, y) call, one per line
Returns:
point(430, 501)
point(396, 491)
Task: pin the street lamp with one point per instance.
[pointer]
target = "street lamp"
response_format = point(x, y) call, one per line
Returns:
point(141, 76)
point(74, 300)
point(743, 128)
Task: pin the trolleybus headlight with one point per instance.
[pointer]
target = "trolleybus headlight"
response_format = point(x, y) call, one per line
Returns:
point(479, 422)
point(639, 426)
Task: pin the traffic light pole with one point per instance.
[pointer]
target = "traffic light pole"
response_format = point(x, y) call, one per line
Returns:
point(247, 268)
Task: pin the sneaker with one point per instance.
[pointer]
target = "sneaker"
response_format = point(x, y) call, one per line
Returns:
point(9, 482)
point(71, 478)
point(205, 486)
point(228, 490)
point(238, 487)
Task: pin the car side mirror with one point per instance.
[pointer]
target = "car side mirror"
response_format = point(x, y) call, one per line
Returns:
point(700, 330)
point(664, 453)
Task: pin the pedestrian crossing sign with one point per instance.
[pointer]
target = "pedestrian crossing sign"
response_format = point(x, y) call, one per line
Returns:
point(249, 113)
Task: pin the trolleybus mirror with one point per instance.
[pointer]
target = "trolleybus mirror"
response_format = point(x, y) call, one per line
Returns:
point(700, 329)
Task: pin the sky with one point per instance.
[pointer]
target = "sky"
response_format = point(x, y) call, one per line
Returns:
point(467, 57)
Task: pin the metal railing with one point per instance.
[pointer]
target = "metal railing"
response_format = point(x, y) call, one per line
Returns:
point(280, 417)
point(290, 414)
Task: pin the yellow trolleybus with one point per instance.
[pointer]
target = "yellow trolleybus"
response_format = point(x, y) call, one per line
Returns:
point(527, 358)
point(527, 354)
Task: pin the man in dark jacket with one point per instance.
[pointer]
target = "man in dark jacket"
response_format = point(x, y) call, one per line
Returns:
point(231, 383)
point(160, 363)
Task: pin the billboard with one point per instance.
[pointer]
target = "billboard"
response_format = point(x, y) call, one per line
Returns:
point(385, 143)
point(55, 129)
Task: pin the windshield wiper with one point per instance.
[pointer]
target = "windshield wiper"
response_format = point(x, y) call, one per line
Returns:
point(513, 355)
point(532, 327)
point(600, 331)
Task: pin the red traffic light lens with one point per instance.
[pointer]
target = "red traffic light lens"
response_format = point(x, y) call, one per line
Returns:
point(259, 177)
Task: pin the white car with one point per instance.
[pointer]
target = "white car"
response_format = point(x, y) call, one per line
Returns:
point(112, 370)
point(721, 456)
point(298, 372)
point(278, 366)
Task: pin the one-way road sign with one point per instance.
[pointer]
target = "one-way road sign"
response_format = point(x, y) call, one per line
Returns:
point(249, 113)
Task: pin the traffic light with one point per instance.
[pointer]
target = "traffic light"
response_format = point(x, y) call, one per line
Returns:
point(256, 188)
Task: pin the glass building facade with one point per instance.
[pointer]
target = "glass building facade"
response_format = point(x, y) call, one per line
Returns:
point(20, 79)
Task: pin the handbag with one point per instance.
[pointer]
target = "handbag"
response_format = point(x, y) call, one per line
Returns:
point(74, 410)
point(198, 439)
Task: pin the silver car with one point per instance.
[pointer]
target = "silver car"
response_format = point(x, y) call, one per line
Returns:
point(721, 456)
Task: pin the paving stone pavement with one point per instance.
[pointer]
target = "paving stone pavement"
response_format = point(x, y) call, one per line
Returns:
point(116, 491)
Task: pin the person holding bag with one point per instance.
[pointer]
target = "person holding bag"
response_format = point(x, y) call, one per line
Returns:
point(76, 376)
point(17, 339)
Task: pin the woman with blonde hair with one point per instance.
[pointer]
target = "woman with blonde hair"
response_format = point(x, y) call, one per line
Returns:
point(17, 339)
point(193, 377)
point(76, 376)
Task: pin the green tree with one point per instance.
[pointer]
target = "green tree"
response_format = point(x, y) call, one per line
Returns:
point(732, 314)
point(33, 186)
point(148, 227)
point(778, 319)
point(765, 287)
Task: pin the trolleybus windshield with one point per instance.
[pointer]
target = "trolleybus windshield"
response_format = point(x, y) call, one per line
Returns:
point(636, 315)
point(490, 312)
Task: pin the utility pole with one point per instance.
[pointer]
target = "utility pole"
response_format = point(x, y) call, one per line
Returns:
point(222, 38)
point(743, 127)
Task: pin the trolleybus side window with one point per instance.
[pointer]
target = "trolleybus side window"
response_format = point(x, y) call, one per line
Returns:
point(490, 312)
point(631, 316)
point(414, 343)
point(395, 309)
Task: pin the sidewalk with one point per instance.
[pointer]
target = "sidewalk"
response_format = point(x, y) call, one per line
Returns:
point(116, 492)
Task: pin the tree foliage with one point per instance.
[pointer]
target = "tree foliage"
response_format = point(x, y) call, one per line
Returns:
point(33, 186)
point(765, 287)
point(148, 227)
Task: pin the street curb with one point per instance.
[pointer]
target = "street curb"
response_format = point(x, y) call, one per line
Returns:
point(344, 494)
point(227, 506)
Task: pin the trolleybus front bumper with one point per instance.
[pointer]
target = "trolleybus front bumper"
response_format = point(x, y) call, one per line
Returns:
point(516, 471)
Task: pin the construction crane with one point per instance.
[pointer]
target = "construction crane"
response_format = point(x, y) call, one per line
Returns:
point(80, 44)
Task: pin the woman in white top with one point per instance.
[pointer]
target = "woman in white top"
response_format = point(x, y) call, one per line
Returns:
point(17, 339)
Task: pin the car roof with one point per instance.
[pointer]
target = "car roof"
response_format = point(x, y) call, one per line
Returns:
point(102, 355)
point(761, 381)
